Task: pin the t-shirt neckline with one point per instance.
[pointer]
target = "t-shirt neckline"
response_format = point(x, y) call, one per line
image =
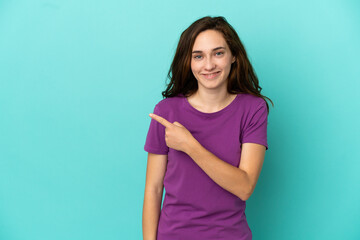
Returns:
point(188, 106)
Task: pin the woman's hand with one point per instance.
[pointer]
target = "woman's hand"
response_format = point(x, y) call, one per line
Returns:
point(176, 135)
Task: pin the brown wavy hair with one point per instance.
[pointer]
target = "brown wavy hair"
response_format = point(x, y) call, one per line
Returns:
point(242, 77)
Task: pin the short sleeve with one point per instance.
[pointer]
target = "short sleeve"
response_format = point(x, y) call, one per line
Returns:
point(155, 139)
point(256, 129)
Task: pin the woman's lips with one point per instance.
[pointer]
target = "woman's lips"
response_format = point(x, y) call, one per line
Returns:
point(212, 75)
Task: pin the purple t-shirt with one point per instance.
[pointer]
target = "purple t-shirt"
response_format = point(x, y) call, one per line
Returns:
point(195, 207)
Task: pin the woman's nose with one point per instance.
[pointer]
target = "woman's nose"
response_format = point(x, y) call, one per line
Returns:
point(209, 64)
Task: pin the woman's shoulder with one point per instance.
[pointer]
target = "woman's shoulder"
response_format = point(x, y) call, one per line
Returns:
point(250, 103)
point(170, 102)
point(251, 99)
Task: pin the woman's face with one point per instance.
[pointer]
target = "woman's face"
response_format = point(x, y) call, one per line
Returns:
point(211, 60)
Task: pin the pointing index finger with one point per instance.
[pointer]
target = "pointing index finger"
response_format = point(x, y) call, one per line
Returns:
point(161, 120)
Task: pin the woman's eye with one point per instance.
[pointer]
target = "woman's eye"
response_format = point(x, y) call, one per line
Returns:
point(218, 54)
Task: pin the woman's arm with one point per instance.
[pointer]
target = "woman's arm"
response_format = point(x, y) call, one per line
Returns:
point(240, 181)
point(156, 167)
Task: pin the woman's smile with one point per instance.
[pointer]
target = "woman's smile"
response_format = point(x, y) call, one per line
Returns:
point(212, 75)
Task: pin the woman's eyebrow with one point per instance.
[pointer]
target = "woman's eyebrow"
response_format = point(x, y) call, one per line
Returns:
point(217, 48)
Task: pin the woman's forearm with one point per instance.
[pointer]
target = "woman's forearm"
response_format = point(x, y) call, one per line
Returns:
point(227, 176)
point(151, 214)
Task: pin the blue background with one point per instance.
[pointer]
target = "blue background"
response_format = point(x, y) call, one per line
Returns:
point(79, 78)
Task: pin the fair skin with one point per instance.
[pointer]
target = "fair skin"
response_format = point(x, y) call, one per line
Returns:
point(211, 54)
point(155, 173)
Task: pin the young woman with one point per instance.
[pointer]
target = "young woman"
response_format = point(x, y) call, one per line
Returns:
point(207, 139)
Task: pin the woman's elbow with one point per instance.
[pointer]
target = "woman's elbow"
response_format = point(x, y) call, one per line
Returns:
point(245, 195)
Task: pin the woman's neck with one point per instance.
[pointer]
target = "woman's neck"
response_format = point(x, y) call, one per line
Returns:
point(210, 102)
